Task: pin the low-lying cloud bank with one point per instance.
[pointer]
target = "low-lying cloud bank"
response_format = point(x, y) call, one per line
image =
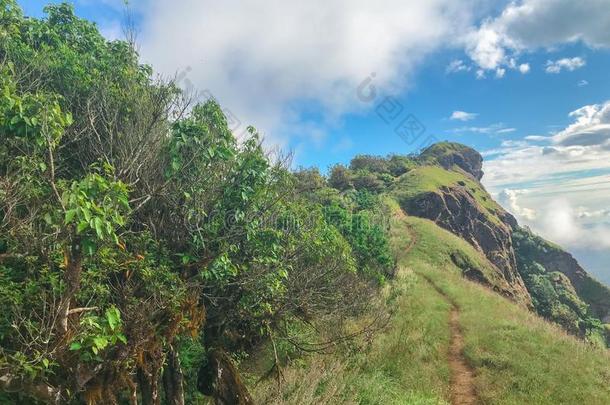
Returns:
point(559, 184)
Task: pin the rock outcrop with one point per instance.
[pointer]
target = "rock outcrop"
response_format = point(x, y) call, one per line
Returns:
point(456, 209)
point(449, 155)
point(455, 199)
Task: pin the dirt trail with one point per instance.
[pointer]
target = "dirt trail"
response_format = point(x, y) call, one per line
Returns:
point(462, 376)
point(462, 379)
point(402, 216)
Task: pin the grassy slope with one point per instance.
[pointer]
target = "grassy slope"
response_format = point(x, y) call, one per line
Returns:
point(518, 358)
point(426, 179)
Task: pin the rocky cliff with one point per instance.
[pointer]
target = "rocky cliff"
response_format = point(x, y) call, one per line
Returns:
point(455, 209)
point(446, 189)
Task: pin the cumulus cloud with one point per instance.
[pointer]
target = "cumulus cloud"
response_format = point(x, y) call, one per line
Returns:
point(570, 212)
point(265, 60)
point(559, 185)
point(524, 68)
point(581, 146)
point(591, 127)
point(532, 24)
point(569, 64)
point(462, 116)
point(486, 47)
point(510, 199)
point(561, 224)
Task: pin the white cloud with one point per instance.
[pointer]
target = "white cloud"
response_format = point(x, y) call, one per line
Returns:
point(456, 66)
point(583, 145)
point(524, 68)
point(569, 64)
point(486, 47)
point(499, 128)
point(591, 128)
point(559, 186)
point(583, 83)
point(532, 24)
point(583, 212)
point(537, 138)
point(564, 224)
point(509, 199)
point(463, 116)
point(500, 72)
point(570, 212)
point(263, 60)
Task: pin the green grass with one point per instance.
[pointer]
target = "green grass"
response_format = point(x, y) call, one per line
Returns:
point(429, 179)
point(517, 357)
point(435, 245)
point(403, 364)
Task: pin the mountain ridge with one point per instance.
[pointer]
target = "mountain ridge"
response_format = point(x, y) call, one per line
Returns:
point(454, 199)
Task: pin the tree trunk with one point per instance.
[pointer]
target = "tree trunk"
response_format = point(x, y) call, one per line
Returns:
point(173, 379)
point(72, 276)
point(145, 388)
point(220, 379)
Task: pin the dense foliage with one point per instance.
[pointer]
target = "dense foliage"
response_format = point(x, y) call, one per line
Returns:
point(142, 246)
point(552, 293)
point(144, 249)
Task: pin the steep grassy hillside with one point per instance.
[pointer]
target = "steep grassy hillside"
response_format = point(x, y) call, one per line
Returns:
point(427, 179)
point(445, 188)
point(515, 357)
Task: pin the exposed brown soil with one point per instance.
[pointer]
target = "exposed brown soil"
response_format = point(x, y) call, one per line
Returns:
point(462, 376)
point(462, 380)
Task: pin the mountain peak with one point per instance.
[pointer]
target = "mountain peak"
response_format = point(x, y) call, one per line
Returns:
point(450, 154)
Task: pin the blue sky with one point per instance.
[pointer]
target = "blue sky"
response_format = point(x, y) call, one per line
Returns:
point(526, 83)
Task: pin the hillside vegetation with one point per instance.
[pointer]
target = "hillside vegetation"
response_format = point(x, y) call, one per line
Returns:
point(148, 256)
point(516, 357)
point(143, 249)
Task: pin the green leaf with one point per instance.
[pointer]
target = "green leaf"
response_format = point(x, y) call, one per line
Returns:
point(122, 338)
point(113, 316)
point(75, 346)
point(70, 216)
point(89, 246)
point(82, 226)
point(99, 227)
point(46, 363)
point(100, 342)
